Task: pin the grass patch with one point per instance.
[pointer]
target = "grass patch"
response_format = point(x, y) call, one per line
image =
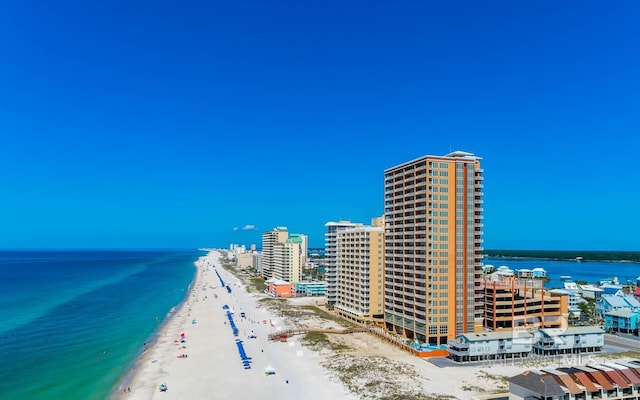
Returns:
point(257, 284)
point(329, 317)
point(377, 378)
point(624, 354)
point(472, 388)
point(499, 381)
point(318, 341)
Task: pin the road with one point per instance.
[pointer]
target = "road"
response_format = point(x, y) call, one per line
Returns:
point(624, 341)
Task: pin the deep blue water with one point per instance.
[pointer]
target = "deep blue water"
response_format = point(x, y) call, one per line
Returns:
point(73, 322)
point(590, 271)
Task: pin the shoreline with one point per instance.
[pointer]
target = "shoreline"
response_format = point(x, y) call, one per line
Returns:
point(206, 363)
point(130, 373)
point(196, 352)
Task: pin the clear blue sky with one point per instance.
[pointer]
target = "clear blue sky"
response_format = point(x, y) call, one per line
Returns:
point(169, 124)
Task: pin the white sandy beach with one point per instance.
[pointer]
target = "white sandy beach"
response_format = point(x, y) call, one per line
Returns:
point(213, 368)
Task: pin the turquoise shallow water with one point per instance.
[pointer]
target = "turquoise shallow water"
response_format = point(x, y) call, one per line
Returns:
point(73, 322)
point(590, 271)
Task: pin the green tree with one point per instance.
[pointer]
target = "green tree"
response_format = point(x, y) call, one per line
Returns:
point(588, 308)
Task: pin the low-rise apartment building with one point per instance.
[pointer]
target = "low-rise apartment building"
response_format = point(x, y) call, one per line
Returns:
point(490, 345)
point(311, 289)
point(568, 340)
point(619, 380)
point(623, 320)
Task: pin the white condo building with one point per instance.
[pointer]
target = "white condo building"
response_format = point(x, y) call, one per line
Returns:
point(330, 254)
point(360, 273)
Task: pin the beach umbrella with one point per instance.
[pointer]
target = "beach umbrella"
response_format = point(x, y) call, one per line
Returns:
point(182, 335)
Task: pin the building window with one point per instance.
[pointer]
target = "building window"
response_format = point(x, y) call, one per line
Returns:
point(444, 329)
point(433, 330)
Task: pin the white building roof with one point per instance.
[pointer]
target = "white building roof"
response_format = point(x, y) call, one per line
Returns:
point(571, 330)
point(590, 288)
point(484, 336)
point(622, 312)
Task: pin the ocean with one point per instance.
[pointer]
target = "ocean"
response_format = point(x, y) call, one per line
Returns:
point(72, 323)
point(589, 271)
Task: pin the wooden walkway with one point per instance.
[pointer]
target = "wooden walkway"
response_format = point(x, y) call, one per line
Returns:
point(283, 335)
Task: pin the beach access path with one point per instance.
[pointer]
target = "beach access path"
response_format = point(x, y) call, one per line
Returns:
point(205, 363)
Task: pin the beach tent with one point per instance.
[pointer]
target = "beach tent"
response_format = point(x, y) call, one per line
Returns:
point(269, 370)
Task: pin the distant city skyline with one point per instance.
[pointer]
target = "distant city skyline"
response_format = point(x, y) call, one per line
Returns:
point(150, 125)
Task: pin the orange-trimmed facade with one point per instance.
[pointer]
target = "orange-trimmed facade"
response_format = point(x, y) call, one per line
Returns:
point(517, 303)
point(433, 245)
point(280, 288)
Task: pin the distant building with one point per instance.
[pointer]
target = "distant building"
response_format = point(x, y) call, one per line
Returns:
point(622, 320)
point(569, 340)
point(574, 300)
point(279, 288)
point(525, 273)
point(311, 289)
point(590, 292)
point(249, 260)
point(539, 273)
point(480, 346)
point(237, 249)
point(610, 302)
point(610, 289)
point(282, 255)
point(269, 240)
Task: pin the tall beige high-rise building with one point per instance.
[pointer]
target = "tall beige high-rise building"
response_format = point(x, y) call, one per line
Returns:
point(269, 240)
point(283, 254)
point(331, 256)
point(360, 273)
point(433, 245)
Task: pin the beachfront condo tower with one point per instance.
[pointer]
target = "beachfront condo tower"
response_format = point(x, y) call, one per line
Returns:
point(330, 256)
point(269, 241)
point(360, 273)
point(283, 255)
point(433, 244)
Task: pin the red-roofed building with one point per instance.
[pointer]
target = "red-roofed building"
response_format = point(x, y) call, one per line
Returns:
point(614, 380)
